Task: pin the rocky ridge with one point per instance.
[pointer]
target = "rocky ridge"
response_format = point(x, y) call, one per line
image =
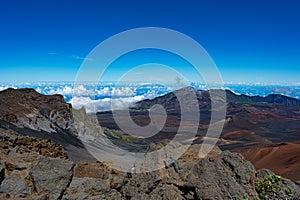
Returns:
point(30, 109)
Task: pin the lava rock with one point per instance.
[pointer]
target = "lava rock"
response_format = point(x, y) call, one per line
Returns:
point(52, 176)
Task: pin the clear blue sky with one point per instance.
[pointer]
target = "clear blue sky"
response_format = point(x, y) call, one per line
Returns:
point(250, 40)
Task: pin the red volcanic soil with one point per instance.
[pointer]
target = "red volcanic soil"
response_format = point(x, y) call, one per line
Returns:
point(281, 158)
point(244, 136)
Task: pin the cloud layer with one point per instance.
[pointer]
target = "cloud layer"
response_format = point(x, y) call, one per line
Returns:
point(102, 97)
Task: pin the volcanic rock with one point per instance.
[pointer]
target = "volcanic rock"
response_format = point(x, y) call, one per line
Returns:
point(30, 109)
point(52, 176)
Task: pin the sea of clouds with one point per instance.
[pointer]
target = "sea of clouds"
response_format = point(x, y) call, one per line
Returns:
point(96, 97)
point(106, 96)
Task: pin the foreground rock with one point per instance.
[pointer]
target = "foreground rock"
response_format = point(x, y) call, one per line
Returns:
point(51, 176)
point(95, 181)
point(221, 175)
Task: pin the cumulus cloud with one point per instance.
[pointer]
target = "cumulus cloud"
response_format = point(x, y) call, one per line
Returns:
point(66, 90)
point(104, 91)
point(92, 105)
point(81, 90)
point(124, 91)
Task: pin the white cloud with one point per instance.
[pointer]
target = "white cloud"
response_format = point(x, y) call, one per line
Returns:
point(81, 90)
point(66, 90)
point(104, 91)
point(93, 106)
point(124, 91)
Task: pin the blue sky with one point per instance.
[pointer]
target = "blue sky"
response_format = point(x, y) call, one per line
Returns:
point(250, 41)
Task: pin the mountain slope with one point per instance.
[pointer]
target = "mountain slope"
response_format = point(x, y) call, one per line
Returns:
point(282, 158)
point(29, 113)
point(27, 108)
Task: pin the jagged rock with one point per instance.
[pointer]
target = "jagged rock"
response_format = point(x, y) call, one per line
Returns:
point(98, 170)
point(243, 170)
point(9, 139)
point(27, 108)
point(52, 176)
point(142, 183)
point(166, 192)
point(23, 162)
point(87, 127)
point(87, 188)
point(14, 166)
point(94, 181)
point(223, 177)
point(168, 182)
point(114, 195)
point(15, 184)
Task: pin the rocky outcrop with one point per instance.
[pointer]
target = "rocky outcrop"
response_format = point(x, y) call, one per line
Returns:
point(10, 141)
point(87, 126)
point(221, 175)
point(30, 109)
point(51, 176)
point(32, 168)
point(95, 181)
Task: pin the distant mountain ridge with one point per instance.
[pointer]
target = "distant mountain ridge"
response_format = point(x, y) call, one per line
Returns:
point(231, 97)
point(271, 98)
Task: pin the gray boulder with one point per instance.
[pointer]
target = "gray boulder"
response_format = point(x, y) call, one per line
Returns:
point(15, 185)
point(89, 188)
point(52, 176)
point(226, 176)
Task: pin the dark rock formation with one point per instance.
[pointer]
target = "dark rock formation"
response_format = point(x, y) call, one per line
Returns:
point(30, 109)
point(23, 144)
point(271, 99)
point(169, 101)
point(51, 176)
